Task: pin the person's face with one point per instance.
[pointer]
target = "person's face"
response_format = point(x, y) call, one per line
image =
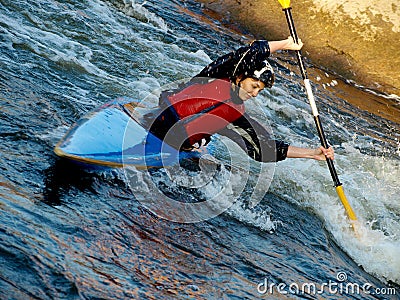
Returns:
point(250, 88)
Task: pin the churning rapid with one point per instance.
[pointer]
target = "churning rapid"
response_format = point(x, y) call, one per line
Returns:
point(67, 233)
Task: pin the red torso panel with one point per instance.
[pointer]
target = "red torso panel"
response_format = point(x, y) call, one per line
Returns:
point(204, 109)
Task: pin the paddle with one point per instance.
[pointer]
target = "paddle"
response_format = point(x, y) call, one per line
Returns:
point(338, 185)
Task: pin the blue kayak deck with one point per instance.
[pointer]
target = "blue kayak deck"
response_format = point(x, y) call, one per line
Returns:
point(114, 136)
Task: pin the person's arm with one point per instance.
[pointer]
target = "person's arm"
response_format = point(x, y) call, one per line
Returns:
point(253, 138)
point(318, 154)
point(287, 44)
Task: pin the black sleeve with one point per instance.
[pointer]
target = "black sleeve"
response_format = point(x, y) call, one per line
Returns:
point(253, 138)
point(225, 66)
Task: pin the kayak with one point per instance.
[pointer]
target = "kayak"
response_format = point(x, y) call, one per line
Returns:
point(116, 135)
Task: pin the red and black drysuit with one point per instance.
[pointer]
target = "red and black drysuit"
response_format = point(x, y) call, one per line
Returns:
point(207, 105)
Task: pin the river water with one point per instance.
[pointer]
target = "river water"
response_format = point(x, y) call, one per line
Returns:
point(68, 233)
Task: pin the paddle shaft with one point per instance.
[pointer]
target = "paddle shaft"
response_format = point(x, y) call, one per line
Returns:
point(310, 95)
point(339, 188)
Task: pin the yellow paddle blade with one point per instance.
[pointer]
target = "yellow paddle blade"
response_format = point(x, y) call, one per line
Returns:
point(346, 204)
point(284, 3)
point(350, 213)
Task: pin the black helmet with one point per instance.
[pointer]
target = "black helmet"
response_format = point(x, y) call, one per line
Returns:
point(259, 70)
point(264, 73)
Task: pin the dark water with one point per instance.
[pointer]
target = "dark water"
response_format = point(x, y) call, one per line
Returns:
point(67, 233)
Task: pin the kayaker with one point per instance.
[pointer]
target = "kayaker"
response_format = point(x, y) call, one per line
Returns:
point(213, 102)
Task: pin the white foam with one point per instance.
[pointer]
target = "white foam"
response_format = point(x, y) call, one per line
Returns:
point(371, 186)
point(54, 46)
point(139, 11)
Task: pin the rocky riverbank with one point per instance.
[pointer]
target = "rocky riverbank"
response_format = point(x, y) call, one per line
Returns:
point(357, 40)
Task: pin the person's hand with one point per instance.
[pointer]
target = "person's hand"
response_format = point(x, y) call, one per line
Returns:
point(291, 45)
point(321, 153)
point(203, 142)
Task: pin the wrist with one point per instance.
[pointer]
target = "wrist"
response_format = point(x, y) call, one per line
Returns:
point(297, 152)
